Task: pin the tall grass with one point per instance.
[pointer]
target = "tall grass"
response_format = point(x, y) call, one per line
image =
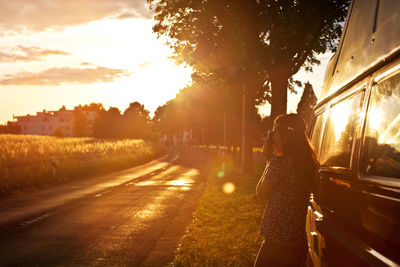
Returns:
point(26, 161)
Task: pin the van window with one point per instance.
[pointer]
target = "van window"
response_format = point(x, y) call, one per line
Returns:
point(317, 132)
point(381, 151)
point(339, 133)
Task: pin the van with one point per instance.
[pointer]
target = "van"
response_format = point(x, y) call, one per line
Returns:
point(353, 218)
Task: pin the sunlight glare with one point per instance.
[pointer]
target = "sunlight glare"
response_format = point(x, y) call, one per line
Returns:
point(391, 133)
point(375, 118)
point(339, 117)
point(181, 182)
point(147, 183)
point(185, 182)
point(128, 45)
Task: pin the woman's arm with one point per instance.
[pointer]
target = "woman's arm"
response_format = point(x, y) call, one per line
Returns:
point(263, 189)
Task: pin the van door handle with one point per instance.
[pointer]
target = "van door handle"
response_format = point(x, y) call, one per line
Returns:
point(318, 219)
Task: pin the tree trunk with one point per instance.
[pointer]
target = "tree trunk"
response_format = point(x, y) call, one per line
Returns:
point(279, 96)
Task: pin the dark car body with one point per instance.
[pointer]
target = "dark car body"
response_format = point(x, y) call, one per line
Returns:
point(354, 214)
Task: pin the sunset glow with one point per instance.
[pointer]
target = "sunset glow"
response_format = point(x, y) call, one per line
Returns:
point(54, 54)
point(111, 58)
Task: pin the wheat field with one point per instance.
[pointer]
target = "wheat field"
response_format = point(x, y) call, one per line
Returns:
point(27, 161)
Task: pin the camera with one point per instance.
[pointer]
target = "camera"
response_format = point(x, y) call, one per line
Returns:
point(267, 146)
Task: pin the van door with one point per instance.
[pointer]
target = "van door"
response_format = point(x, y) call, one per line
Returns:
point(379, 166)
point(315, 240)
point(334, 205)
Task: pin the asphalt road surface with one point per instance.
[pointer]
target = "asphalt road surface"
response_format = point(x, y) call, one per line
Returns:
point(131, 218)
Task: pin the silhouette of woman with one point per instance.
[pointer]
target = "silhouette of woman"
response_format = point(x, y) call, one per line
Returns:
point(285, 186)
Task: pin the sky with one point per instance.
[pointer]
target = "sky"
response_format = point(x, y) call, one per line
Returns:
point(65, 53)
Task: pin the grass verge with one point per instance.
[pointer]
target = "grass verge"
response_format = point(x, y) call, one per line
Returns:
point(224, 231)
point(26, 161)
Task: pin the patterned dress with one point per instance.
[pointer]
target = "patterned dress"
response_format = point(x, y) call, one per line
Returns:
point(285, 212)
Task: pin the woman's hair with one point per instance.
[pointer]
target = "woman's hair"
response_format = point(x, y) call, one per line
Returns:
point(295, 143)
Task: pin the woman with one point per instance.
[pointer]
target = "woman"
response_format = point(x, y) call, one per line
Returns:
point(285, 187)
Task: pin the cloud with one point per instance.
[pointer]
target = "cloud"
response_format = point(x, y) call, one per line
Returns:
point(127, 15)
point(86, 64)
point(31, 53)
point(146, 64)
point(27, 16)
point(65, 75)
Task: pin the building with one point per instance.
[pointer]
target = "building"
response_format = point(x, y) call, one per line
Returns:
point(60, 122)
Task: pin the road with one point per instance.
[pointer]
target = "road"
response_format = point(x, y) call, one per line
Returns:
point(131, 218)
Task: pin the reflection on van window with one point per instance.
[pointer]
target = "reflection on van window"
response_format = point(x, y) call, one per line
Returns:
point(317, 132)
point(339, 133)
point(381, 152)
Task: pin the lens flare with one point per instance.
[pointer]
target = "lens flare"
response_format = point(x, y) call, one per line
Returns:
point(228, 188)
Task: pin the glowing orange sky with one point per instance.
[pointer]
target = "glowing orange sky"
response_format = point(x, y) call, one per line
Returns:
point(55, 53)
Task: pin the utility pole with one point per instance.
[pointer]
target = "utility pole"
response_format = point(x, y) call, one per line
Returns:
point(203, 130)
point(243, 125)
point(224, 147)
point(224, 127)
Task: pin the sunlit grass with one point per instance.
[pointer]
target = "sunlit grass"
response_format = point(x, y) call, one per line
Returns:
point(26, 161)
point(224, 231)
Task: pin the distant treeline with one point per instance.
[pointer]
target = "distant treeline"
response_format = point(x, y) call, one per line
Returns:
point(201, 111)
point(134, 122)
point(10, 128)
point(214, 120)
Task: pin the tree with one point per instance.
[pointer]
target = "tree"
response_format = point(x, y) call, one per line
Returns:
point(10, 128)
point(108, 123)
point(218, 39)
point(136, 121)
point(251, 40)
point(83, 126)
point(307, 102)
point(59, 132)
point(191, 109)
point(92, 107)
point(258, 44)
point(294, 32)
point(80, 123)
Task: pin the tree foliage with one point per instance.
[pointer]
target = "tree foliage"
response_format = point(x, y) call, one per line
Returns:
point(108, 124)
point(136, 121)
point(250, 44)
point(205, 112)
point(59, 132)
point(84, 126)
point(258, 43)
point(10, 128)
point(81, 124)
point(133, 123)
